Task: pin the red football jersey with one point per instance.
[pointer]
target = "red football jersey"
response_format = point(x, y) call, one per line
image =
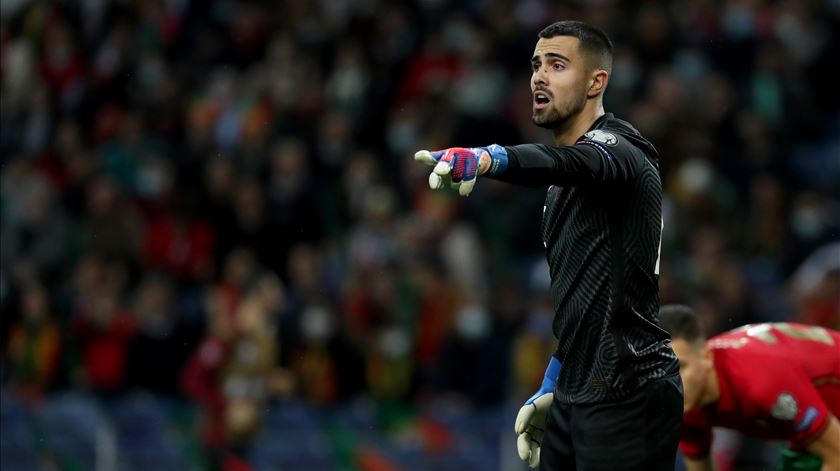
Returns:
point(777, 381)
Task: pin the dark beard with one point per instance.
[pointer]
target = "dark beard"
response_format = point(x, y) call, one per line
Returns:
point(553, 118)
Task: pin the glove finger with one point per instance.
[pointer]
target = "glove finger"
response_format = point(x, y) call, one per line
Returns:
point(435, 181)
point(443, 167)
point(430, 158)
point(523, 418)
point(534, 459)
point(523, 446)
point(466, 187)
point(446, 160)
point(425, 157)
point(544, 402)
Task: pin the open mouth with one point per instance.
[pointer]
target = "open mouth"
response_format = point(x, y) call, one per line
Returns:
point(541, 100)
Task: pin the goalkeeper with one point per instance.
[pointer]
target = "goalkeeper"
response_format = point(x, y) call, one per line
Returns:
point(612, 396)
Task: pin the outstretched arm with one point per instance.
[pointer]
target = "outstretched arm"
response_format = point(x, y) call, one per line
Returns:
point(583, 163)
point(827, 445)
point(601, 158)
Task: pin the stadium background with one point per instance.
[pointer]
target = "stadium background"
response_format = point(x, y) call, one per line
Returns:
point(217, 251)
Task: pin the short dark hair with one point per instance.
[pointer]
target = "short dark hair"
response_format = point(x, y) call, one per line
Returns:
point(681, 322)
point(594, 43)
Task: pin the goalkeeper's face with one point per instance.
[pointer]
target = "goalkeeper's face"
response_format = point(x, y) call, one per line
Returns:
point(559, 81)
point(695, 368)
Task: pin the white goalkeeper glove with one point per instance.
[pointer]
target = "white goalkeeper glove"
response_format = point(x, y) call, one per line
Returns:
point(530, 422)
point(459, 165)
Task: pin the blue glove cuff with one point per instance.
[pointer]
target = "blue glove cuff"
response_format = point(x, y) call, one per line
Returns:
point(553, 370)
point(498, 160)
point(549, 380)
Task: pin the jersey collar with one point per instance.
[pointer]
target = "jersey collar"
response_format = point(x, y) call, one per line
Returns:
point(599, 123)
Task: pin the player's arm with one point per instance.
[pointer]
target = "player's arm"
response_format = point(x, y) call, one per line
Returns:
point(811, 425)
point(827, 445)
point(696, 443)
point(612, 158)
point(586, 162)
point(701, 464)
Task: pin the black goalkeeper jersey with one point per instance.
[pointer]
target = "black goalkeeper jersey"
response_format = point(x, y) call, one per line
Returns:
point(601, 226)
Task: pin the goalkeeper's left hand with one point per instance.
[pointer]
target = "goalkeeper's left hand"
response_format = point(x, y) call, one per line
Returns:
point(530, 422)
point(461, 165)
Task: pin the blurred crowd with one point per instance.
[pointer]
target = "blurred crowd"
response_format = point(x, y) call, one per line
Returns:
point(217, 201)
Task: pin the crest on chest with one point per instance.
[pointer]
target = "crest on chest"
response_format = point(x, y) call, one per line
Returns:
point(785, 407)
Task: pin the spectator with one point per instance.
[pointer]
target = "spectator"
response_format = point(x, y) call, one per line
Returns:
point(474, 361)
point(102, 331)
point(35, 230)
point(111, 226)
point(233, 372)
point(34, 345)
point(815, 285)
point(180, 244)
point(162, 343)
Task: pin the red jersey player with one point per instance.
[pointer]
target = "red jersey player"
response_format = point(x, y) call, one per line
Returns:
point(778, 381)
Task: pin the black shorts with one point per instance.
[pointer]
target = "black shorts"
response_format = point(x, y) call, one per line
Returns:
point(640, 432)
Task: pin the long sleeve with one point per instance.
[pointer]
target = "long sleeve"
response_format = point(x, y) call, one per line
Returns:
point(585, 163)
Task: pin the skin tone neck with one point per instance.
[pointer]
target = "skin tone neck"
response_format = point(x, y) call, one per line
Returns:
point(711, 391)
point(568, 134)
point(565, 135)
point(697, 369)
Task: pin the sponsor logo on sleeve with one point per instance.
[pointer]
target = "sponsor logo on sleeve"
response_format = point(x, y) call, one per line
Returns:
point(785, 407)
point(603, 137)
point(808, 419)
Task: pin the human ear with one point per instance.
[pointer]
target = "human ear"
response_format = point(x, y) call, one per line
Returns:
point(597, 83)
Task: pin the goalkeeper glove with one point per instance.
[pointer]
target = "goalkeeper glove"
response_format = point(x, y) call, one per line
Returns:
point(459, 165)
point(530, 422)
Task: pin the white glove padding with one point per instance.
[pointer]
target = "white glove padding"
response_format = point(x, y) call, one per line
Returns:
point(530, 425)
point(456, 166)
point(440, 177)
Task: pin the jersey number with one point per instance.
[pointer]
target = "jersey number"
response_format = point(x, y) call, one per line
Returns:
point(764, 332)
